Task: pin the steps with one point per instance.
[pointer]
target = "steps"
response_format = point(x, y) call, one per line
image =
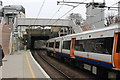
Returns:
point(6, 31)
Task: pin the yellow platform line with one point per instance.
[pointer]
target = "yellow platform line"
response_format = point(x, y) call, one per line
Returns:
point(31, 70)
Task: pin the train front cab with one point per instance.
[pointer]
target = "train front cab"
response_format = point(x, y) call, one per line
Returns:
point(116, 54)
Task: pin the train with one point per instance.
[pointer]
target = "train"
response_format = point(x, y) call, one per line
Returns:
point(40, 44)
point(97, 51)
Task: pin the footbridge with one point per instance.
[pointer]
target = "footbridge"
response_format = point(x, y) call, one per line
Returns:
point(43, 22)
point(14, 26)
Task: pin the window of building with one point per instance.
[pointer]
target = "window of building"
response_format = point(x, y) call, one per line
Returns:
point(118, 44)
point(57, 44)
point(66, 45)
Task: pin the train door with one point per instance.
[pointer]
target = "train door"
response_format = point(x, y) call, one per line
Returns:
point(116, 55)
point(47, 45)
point(54, 46)
point(72, 48)
point(60, 46)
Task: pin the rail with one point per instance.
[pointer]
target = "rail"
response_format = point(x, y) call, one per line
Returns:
point(65, 75)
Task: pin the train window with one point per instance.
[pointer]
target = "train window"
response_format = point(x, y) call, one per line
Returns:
point(79, 45)
point(66, 45)
point(89, 45)
point(47, 44)
point(104, 45)
point(118, 44)
point(57, 44)
point(51, 44)
point(101, 45)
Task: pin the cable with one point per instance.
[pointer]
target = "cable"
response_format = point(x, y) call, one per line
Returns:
point(99, 21)
point(105, 9)
point(102, 11)
point(68, 12)
point(78, 5)
point(39, 11)
point(63, 15)
point(55, 13)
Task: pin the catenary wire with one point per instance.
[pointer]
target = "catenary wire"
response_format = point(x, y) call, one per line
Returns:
point(39, 11)
point(68, 12)
point(104, 18)
point(105, 9)
point(55, 14)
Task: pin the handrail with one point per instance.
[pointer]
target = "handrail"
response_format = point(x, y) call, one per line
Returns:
point(11, 35)
point(76, 28)
point(2, 20)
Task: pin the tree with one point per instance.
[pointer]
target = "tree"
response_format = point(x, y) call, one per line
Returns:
point(76, 17)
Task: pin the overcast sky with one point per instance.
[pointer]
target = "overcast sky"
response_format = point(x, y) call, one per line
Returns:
point(50, 7)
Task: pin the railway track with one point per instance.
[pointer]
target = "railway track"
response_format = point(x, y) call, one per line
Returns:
point(65, 75)
point(56, 69)
point(53, 72)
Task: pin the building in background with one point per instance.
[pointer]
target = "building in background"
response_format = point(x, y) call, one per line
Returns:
point(8, 16)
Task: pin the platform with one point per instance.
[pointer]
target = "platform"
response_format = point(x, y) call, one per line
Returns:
point(22, 65)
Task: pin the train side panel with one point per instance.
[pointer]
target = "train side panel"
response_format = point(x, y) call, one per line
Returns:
point(94, 58)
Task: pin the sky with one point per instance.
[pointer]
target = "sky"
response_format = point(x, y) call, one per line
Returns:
point(50, 7)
